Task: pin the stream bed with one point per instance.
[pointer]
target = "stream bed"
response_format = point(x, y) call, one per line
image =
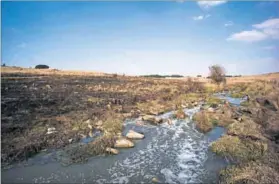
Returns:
point(175, 153)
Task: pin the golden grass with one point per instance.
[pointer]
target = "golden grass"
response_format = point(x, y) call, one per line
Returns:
point(19, 70)
point(213, 101)
point(203, 122)
point(242, 79)
point(252, 172)
point(207, 82)
point(239, 149)
point(247, 128)
point(113, 124)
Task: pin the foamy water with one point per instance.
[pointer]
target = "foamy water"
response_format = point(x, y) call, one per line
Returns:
point(175, 153)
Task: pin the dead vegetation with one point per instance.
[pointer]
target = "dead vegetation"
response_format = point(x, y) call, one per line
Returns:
point(239, 150)
point(251, 173)
point(203, 122)
point(215, 113)
point(252, 142)
point(74, 105)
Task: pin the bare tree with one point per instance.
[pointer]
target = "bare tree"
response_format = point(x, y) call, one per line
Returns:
point(217, 74)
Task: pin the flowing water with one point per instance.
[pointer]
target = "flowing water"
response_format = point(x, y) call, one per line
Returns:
point(175, 153)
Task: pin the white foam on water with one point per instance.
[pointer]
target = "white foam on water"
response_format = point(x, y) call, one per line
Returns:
point(122, 179)
point(174, 153)
point(184, 156)
point(169, 175)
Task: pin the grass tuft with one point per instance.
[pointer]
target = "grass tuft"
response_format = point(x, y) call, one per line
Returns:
point(237, 149)
point(203, 122)
point(252, 172)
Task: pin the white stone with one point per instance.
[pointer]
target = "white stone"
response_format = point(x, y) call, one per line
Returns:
point(123, 143)
point(134, 135)
point(112, 151)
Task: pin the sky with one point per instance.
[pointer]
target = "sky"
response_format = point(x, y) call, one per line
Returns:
point(139, 38)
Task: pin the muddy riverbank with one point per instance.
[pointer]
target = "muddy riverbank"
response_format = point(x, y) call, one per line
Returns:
point(171, 153)
point(175, 153)
point(44, 116)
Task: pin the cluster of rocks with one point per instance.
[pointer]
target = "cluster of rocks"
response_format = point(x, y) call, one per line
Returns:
point(125, 142)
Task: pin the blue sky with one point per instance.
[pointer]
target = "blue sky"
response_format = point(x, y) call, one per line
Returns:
point(143, 37)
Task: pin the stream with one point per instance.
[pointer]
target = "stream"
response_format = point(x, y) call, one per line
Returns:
point(175, 153)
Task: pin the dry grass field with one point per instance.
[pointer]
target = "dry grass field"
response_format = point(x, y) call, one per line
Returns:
point(73, 103)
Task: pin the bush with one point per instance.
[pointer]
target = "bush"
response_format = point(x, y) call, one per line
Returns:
point(217, 74)
point(203, 122)
point(42, 67)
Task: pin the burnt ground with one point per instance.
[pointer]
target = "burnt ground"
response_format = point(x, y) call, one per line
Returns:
point(33, 103)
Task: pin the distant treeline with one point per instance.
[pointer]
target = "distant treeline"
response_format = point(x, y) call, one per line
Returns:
point(162, 76)
point(229, 76)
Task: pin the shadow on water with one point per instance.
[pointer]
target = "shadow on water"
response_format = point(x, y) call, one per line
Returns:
point(175, 153)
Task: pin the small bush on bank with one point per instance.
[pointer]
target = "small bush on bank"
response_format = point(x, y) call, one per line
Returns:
point(203, 122)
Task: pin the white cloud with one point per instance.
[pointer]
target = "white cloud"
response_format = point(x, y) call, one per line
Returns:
point(273, 33)
point(268, 29)
point(270, 23)
point(208, 4)
point(248, 36)
point(201, 17)
point(229, 23)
